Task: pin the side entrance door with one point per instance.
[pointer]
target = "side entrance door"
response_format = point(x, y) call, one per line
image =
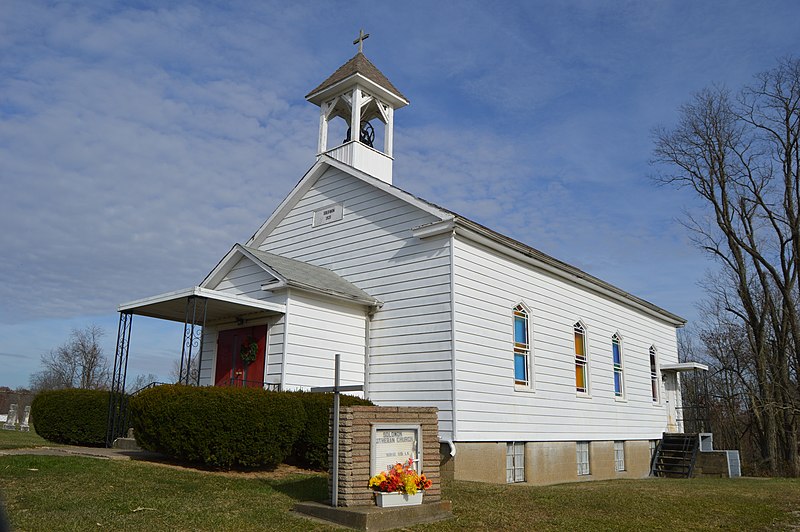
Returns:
point(233, 347)
point(671, 396)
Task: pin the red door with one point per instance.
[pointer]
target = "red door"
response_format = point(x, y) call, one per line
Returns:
point(233, 347)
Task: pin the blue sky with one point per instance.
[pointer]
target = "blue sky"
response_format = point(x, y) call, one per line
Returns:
point(139, 141)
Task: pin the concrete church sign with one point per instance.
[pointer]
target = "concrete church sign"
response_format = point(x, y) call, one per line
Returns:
point(392, 444)
point(373, 439)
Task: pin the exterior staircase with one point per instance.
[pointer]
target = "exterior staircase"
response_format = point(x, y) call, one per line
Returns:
point(675, 456)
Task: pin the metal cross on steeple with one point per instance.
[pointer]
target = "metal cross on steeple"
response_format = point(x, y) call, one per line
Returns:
point(360, 41)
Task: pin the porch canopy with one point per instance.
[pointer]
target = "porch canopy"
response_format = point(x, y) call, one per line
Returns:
point(219, 306)
point(684, 366)
point(195, 307)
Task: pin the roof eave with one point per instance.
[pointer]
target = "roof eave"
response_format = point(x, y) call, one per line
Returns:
point(396, 100)
point(366, 301)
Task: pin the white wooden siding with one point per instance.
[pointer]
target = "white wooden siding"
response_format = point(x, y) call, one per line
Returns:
point(274, 362)
point(487, 287)
point(207, 361)
point(372, 247)
point(319, 329)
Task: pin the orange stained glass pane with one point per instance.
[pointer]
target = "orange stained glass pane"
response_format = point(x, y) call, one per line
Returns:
point(580, 348)
point(580, 377)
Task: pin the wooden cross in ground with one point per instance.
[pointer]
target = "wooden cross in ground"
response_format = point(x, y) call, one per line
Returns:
point(360, 41)
point(336, 389)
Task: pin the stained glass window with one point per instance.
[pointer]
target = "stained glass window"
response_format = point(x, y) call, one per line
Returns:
point(581, 383)
point(522, 348)
point(616, 348)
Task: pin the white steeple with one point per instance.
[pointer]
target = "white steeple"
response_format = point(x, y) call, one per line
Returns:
point(359, 94)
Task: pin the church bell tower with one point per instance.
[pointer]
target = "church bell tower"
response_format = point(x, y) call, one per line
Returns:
point(364, 98)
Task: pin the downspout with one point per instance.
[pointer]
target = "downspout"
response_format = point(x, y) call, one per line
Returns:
point(454, 405)
point(285, 342)
point(452, 446)
point(367, 348)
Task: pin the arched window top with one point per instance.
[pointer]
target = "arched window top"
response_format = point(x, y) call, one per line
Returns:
point(616, 348)
point(521, 326)
point(580, 339)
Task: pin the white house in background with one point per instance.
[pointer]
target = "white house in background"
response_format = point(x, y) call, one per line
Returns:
point(540, 371)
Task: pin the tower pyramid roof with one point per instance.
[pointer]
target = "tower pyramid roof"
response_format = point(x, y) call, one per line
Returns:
point(358, 64)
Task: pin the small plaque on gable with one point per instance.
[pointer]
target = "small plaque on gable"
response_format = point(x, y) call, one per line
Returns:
point(392, 444)
point(328, 214)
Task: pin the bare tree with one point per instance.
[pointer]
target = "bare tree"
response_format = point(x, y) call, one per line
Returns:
point(77, 363)
point(193, 370)
point(741, 157)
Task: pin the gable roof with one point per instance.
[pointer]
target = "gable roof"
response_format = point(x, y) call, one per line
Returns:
point(358, 64)
point(290, 273)
point(314, 173)
point(306, 276)
point(450, 220)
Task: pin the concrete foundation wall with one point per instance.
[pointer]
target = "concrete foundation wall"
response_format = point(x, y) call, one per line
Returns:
point(481, 462)
point(545, 462)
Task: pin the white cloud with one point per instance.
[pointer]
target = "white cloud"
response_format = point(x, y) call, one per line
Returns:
point(138, 143)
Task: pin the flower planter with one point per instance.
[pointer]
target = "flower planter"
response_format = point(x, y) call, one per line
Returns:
point(388, 500)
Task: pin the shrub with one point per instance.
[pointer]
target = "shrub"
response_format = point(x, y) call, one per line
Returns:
point(311, 448)
point(76, 417)
point(223, 427)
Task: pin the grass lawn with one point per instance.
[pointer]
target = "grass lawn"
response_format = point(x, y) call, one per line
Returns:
point(14, 439)
point(640, 505)
point(76, 493)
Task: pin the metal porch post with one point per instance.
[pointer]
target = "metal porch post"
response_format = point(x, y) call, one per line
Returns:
point(192, 337)
point(202, 339)
point(117, 403)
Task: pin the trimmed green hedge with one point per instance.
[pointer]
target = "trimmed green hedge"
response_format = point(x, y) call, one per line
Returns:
point(311, 448)
point(223, 427)
point(75, 417)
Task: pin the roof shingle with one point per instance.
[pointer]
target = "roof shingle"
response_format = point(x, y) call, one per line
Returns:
point(307, 276)
point(358, 64)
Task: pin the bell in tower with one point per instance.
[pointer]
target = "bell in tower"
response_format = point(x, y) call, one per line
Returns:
point(364, 98)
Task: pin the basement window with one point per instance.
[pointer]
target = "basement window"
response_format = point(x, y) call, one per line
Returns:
point(583, 457)
point(619, 456)
point(515, 462)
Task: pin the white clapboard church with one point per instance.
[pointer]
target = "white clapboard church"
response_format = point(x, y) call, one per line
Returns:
point(540, 371)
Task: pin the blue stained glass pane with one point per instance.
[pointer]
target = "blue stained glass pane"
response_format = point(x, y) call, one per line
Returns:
point(519, 368)
point(520, 330)
point(617, 383)
point(617, 358)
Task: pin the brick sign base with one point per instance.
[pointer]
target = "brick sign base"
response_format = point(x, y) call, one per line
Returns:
point(355, 433)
